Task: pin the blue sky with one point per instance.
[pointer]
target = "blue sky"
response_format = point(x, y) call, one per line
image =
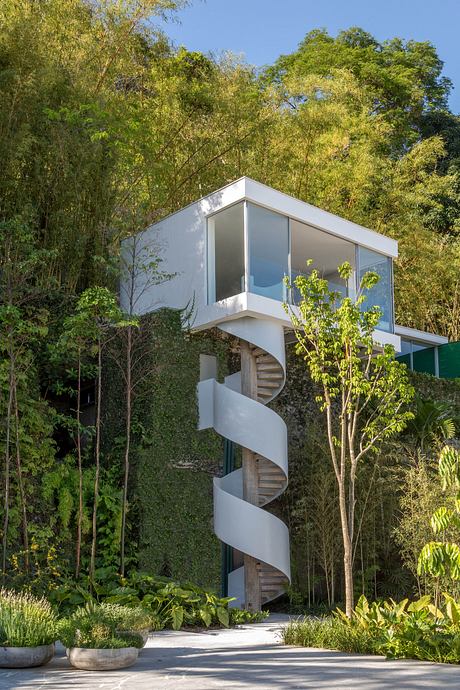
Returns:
point(263, 29)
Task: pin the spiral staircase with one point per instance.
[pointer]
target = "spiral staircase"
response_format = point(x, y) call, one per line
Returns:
point(246, 421)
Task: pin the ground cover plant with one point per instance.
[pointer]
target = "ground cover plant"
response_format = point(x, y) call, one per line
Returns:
point(168, 604)
point(106, 128)
point(25, 620)
point(403, 630)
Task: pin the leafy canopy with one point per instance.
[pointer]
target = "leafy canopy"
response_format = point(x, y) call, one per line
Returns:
point(403, 77)
point(335, 336)
point(440, 558)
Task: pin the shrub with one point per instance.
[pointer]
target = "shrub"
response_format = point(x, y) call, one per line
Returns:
point(25, 620)
point(417, 630)
point(131, 618)
point(169, 604)
point(98, 626)
point(328, 633)
point(241, 616)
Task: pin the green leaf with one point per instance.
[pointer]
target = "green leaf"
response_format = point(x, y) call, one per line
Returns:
point(223, 616)
point(441, 519)
point(206, 615)
point(420, 604)
point(177, 616)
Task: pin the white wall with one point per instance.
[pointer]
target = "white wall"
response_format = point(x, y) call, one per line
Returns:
point(180, 241)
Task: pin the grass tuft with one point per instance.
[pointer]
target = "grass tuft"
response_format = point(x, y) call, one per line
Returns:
point(328, 633)
point(25, 620)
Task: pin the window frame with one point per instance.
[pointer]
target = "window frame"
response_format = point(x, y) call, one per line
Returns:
point(210, 273)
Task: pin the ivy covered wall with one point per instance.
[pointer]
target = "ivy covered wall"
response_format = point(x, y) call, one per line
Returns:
point(171, 510)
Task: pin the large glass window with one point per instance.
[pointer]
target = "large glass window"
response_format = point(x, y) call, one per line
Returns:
point(326, 251)
point(381, 294)
point(278, 247)
point(268, 252)
point(226, 253)
point(406, 347)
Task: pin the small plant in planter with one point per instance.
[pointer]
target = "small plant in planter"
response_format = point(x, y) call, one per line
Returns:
point(135, 620)
point(98, 637)
point(28, 630)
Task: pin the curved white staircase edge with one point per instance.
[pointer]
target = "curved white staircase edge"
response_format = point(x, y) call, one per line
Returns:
point(247, 422)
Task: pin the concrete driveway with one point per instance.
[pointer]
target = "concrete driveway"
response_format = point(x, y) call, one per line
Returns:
point(249, 658)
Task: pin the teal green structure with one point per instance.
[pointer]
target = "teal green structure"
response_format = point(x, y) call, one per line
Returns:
point(440, 360)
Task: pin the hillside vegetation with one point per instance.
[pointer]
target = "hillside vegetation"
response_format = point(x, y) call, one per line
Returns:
point(106, 127)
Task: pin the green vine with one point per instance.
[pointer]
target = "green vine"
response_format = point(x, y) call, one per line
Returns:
point(170, 503)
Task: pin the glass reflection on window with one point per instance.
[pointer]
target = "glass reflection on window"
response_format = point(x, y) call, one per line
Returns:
point(380, 295)
point(226, 238)
point(268, 252)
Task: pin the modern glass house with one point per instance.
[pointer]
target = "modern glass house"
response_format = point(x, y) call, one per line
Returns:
point(229, 254)
point(231, 250)
point(252, 248)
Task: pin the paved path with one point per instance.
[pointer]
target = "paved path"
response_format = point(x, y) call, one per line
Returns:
point(248, 658)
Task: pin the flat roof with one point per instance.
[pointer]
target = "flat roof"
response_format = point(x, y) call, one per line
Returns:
point(245, 188)
point(421, 336)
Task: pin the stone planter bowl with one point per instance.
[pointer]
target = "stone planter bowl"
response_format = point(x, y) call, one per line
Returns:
point(145, 635)
point(102, 659)
point(26, 657)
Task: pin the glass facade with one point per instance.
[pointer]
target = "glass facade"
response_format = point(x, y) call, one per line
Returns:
point(251, 248)
point(226, 253)
point(381, 294)
point(326, 251)
point(268, 235)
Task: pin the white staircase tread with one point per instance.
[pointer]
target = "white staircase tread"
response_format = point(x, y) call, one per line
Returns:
point(270, 376)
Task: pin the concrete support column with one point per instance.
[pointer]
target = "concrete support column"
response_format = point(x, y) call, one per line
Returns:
point(250, 479)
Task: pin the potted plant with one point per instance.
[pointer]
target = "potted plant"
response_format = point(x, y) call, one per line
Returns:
point(131, 620)
point(95, 640)
point(28, 630)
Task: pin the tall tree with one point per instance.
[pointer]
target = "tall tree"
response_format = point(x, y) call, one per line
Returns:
point(134, 357)
point(403, 78)
point(22, 326)
point(97, 311)
point(363, 390)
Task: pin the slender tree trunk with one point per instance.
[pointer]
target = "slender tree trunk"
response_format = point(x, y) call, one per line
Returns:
point(308, 564)
point(25, 529)
point(351, 505)
point(127, 446)
point(326, 567)
point(347, 551)
point(6, 500)
point(80, 473)
point(97, 453)
point(332, 578)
